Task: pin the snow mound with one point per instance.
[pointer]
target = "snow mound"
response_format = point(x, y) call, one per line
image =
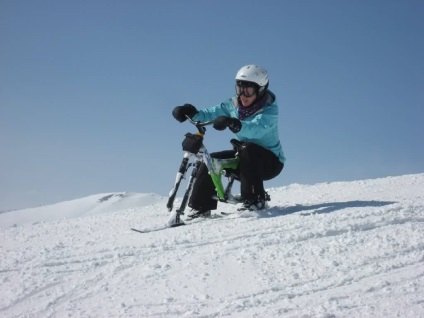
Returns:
point(88, 206)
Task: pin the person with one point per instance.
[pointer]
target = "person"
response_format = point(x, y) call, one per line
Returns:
point(252, 115)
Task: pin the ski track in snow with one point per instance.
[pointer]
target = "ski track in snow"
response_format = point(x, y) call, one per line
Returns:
point(344, 249)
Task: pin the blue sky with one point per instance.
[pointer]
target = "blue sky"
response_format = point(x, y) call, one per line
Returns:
point(87, 89)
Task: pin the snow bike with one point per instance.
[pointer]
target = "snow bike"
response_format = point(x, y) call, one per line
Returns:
point(194, 148)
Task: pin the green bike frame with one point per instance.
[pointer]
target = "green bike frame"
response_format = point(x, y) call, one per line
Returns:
point(216, 168)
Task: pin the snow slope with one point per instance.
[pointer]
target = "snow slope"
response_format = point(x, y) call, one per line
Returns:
point(91, 205)
point(345, 249)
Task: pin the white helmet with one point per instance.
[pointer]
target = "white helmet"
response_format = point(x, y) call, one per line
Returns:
point(253, 73)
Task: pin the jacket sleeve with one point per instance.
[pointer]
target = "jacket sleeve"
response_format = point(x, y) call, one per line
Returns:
point(210, 113)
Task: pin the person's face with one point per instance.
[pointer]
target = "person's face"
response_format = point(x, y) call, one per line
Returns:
point(247, 101)
point(246, 92)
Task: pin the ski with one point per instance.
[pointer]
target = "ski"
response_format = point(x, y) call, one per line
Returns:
point(215, 217)
point(164, 227)
point(155, 229)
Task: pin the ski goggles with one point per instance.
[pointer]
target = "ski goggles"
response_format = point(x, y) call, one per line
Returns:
point(246, 88)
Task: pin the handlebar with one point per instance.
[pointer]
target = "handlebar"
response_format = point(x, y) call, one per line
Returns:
point(200, 125)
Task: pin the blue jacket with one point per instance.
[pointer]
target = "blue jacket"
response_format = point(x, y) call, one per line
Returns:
point(261, 128)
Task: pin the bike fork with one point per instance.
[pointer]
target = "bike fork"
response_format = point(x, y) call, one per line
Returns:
point(180, 176)
point(187, 194)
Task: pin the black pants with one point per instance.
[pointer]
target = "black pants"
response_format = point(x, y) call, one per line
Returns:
point(257, 164)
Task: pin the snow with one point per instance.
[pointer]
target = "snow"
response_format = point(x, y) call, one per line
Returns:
point(342, 249)
point(91, 205)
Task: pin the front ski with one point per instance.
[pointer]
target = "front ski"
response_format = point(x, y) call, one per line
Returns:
point(215, 217)
point(159, 228)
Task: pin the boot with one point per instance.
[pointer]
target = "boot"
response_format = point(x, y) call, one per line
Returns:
point(194, 214)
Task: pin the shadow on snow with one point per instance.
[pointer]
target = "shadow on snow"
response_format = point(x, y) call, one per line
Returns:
point(322, 208)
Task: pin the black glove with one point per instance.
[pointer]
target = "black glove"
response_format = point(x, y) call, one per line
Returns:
point(180, 112)
point(222, 122)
